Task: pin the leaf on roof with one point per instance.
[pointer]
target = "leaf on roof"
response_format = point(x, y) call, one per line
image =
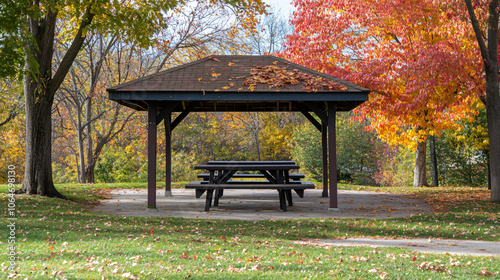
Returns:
point(213, 58)
point(280, 77)
point(230, 64)
point(200, 79)
point(215, 75)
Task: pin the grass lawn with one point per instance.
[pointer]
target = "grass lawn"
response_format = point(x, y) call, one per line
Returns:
point(65, 240)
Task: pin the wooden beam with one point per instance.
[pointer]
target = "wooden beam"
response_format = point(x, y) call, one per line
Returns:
point(168, 156)
point(313, 107)
point(324, 145)
point(332, 155)
point(169, 107)
point(304, 111)
point(311, 119)
point(181, 116)
point(152, 129)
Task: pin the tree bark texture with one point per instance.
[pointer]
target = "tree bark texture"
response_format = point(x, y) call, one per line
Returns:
point(434, 165)
point(38, 167)
point(493, 116)
point(420, 176)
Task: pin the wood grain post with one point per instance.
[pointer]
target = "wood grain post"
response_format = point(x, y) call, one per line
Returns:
point(168, 156)
point(152, 129)
point(332, 155)
point(324, 144)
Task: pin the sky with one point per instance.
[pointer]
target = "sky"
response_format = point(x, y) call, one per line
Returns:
point(284, 5)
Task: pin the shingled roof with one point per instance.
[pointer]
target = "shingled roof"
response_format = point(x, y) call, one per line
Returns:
point(238, 83)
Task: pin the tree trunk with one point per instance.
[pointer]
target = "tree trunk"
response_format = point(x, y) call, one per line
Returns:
point(256, 135)
point(89, 175)
point(39, 90)
point(90, 165)
point(432, 147)
point(493, 115)
point(489, 174)
point(38, 167)
point(39, 97)
point(420, 176)
point(81, 144)
point(489, 53)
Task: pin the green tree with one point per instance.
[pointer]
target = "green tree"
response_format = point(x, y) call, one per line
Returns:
point(357, 150)
point(463, 153)
point(307, 150)
point(135, 21)
point(12, 37)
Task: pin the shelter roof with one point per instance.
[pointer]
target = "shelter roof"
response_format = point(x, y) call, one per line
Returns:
point(239, 83)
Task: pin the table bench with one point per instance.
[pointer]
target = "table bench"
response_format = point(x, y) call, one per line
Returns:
point(284, 190)
point(292, 176)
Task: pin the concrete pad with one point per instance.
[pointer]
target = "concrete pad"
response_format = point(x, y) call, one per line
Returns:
point(263, 205)
point(436, 246)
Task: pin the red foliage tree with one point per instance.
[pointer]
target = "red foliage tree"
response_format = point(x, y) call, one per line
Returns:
point(419, 58)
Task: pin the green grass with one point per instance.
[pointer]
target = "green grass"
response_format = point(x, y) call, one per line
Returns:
point(60, 238)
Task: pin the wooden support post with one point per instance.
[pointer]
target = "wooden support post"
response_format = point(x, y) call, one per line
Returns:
point(324, 144)
point(152, 129)
point(168, 156)
point(332, 155)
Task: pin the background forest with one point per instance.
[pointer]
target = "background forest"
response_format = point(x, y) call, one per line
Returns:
point(96, 140)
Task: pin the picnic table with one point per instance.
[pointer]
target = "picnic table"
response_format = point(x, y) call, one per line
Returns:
point(276, 173)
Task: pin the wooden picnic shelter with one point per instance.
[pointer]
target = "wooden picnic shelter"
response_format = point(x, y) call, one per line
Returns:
point(239, 83)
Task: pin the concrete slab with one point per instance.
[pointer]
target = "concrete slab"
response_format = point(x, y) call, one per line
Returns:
point(263, 205)
point(437, 246)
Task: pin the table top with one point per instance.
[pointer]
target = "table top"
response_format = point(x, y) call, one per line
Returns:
point(249, 167)
point(250, 162)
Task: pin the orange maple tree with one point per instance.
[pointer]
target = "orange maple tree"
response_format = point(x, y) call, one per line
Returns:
point(418, 58)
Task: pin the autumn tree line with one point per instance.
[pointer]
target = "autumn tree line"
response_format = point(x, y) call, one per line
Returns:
point(430, 66)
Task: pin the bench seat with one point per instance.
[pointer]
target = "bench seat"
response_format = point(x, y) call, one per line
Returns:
point(284, 190)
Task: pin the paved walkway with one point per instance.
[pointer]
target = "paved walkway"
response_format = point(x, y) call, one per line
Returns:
point(437, 246)
point(263, 205)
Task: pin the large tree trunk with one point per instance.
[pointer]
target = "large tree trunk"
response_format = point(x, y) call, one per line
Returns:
point(39, 97)
point(420, 172)
point(489, 53)
point(38, 167)
point(493, 115)
point(39, 90)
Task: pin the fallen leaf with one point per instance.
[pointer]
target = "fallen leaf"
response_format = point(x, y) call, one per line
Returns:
point(485, 273)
